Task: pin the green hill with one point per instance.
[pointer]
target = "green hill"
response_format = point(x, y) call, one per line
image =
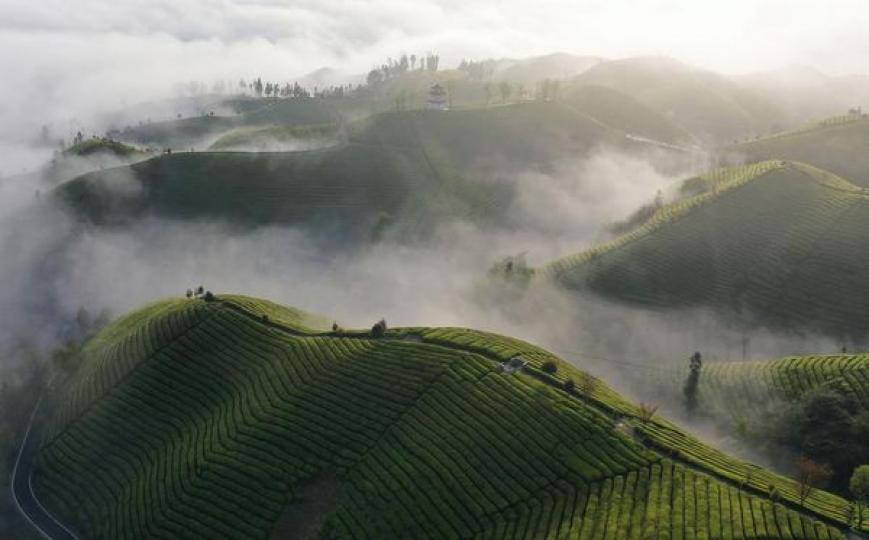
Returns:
point(734, 388)
point(710, 106)
point(624, 113)
point(413, 168)
point(199, 132)
point(816, 406)
point(233, 418)
point(837, 144)
point(346, 186)
point(777, 243)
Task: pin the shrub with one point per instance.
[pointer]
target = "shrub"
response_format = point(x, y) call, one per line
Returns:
point(647, 411)
point(569, 386)
point(549, 367)
point(209, 297)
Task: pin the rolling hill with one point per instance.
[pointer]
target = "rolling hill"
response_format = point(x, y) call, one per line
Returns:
point(201, 131)
point(731, 388)
point(414, 167)
point(804, 405)
point(837, 144)
point(241, 420)
point(776, 244)
point(711, 107)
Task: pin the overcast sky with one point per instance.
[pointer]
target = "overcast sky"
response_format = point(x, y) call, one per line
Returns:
point(65, 59)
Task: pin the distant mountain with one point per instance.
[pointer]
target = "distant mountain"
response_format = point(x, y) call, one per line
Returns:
point(530, 71)
point(711, 107)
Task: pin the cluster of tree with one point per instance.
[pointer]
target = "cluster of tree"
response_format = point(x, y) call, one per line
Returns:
point(478, 70)
point(270, 89)
point(818, 426)
point(200, 292)
point(394, 68)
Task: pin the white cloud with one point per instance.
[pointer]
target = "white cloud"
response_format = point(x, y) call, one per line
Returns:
point(67, 60)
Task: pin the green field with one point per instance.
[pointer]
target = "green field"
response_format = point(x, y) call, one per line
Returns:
point(236, 413)
point(779, 243)
point(838, 145)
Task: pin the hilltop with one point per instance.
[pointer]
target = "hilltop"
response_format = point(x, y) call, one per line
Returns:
point(241, 419)
point(776, 244)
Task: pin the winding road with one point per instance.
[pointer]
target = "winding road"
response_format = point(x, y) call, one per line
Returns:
point(22, 489)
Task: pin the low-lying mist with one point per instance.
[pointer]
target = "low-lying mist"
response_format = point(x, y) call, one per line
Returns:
point(52, 266)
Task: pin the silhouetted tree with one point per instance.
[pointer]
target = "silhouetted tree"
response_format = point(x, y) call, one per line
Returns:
point(375, 77)
point(379, 329)
point(693, 382)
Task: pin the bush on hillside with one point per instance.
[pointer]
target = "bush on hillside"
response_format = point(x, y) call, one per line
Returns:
point(549, 367)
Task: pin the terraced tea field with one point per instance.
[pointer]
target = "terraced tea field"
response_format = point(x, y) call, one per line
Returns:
point(780, 243)
point(231, 410)
point(735, 390)
point(837, 144)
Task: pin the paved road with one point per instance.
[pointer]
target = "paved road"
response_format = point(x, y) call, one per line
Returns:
point(22, 489)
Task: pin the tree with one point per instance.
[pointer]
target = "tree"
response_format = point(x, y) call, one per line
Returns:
point(859, 486)
point(569, 386)
point(647, 411)
point(693, 382)
point(379, 329)
point(189, 293)
point(811, 475)
point(549, 367)
point(587, 384)
point(208, 296)
point(375, 77)
point(505, 90)
point(412, 61)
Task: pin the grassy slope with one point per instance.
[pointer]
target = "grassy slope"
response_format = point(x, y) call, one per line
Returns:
point(186, 132)
point(350, 183)
point(838, 145)
point(625, 113)
point(228, 409)
point(780, 240)
point(425, 163)
point(735, 389)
